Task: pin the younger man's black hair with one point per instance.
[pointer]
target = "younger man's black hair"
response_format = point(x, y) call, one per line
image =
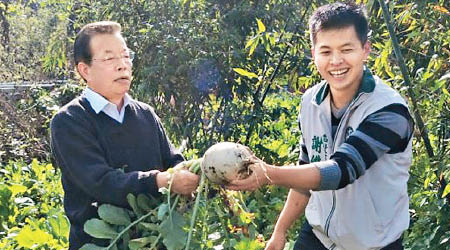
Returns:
point(339, 15)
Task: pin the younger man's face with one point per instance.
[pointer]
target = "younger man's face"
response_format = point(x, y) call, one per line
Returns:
point(339, 57)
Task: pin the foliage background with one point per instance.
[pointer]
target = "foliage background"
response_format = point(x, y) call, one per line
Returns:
point(214, 71)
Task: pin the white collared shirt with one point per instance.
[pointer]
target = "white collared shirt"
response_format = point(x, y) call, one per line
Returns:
point(100, 103)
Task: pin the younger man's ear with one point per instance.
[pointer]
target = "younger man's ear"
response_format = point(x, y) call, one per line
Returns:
point(83, 70)
point(367, 48)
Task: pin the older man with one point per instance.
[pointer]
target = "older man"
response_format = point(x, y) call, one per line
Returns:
point(107, 144)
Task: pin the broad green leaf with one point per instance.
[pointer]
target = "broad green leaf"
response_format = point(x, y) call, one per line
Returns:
point(28, 238)
point(17, 188)
point(59, 224)
point(446, 190)
point(172, 231)
point(133, 204)
point(145, 203)
point(139, 243)
point(114, 215)
point(91, 246)
point(99, 229)
point(261, 27)
point(149, 226)
point(246, 73)
point(162, 210)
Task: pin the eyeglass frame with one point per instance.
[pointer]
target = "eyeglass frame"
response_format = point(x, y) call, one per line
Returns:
point(110, 60)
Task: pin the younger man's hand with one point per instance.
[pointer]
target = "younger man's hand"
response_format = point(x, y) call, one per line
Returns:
point(258, 178)
point(276, 242)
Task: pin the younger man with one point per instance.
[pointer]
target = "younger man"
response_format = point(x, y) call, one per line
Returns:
point(106, 143)
point(355, 147)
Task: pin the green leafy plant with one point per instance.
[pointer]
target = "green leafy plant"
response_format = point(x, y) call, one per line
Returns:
point(31, 213)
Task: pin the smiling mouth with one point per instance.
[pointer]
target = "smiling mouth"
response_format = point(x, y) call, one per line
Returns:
point(338, 73)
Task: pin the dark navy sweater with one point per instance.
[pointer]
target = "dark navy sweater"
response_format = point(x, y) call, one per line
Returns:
point(102, 160)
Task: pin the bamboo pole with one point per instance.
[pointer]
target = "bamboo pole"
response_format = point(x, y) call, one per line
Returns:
point(407, 82)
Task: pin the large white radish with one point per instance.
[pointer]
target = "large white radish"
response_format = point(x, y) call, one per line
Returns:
point(225, 162)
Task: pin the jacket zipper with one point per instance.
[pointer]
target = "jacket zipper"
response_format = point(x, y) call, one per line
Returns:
point(327, 223)
point(333, 206)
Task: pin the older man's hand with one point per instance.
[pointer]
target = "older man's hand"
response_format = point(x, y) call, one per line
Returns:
point(183, 181)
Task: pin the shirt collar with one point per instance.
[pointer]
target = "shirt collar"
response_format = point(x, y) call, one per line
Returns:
point(99, 103)
point(367, 86)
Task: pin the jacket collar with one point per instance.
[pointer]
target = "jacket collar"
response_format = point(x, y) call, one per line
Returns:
point(367, 86)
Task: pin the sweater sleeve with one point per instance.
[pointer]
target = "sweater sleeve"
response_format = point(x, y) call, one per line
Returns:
point(81, 158)
point(386, 131)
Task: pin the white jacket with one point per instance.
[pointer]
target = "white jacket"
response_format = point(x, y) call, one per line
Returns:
point(371, 212)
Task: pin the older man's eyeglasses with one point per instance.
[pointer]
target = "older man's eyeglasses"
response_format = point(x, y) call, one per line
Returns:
point(110, 60)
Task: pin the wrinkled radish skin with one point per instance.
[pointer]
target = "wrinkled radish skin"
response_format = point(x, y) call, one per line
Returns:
point(226, 161)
